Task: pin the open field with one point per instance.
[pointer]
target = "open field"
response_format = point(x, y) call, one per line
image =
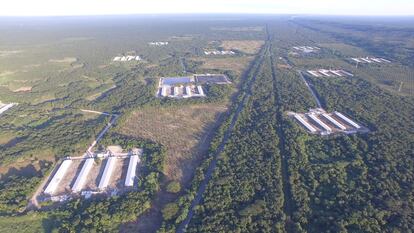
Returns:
point(246, 46)
point(181, 129)
point(32, 223)
point(236, 64)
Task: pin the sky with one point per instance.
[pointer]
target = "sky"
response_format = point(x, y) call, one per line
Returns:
point(115, 7)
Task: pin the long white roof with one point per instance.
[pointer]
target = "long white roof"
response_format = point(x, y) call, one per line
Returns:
point(6, 107)
point(132, 167)
point(317, 120)
point(81, 179)
point(305, 123)
point(349, 121)
point(106, 176)
point(57, 178)
point(335, 122)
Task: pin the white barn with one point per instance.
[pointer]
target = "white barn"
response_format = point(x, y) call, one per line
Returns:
point(57, 178)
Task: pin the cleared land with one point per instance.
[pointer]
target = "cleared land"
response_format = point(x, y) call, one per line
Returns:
point(182, 130)
point(237, 64)
point(246, 46)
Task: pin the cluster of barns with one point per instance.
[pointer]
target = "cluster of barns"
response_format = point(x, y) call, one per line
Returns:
point(306, 49)
point(182, 91)
point(318, 121)
point(370, 60)
point(219, 52)
point(158, 43)
point(188, 86)
point(329, 73)
point(127, 58)
point(57, 188)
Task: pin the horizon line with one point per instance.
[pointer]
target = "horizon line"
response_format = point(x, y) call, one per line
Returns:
point(216, 13)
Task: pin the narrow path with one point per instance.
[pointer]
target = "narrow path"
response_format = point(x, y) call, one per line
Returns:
point(318, 102)
point(288, 204)
point(102, 133)
point(254, 69)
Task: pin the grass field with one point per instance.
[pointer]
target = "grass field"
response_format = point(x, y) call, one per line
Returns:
point(237, 64)
point(246, 46)
point(31, 223)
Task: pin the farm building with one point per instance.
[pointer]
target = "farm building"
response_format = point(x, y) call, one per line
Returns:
point(351, 122)
point(60, 173)
point(370, 60)
point(306, 49)
point(184, 87)
point(335, 122)
point(320, 123)
point(158, 43)
point(200, 90)
point(305, 123)
point(317, 121)
point(81, 179)
point(132, 167)
point(5, 107)
point(329, 73)
point(219, 52)
point(106, 176)
point(127, 58)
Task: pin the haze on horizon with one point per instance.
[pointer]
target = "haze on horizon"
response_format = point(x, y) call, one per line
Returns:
point(115, 7)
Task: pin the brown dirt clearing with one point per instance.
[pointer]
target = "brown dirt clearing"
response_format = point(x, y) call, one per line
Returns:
point(181, 129)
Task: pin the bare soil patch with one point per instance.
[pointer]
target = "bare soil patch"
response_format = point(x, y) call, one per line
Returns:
point(181, 129)
point(64, 60)
point(23, 89)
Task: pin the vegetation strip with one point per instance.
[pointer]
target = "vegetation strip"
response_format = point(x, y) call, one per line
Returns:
point(220, 149)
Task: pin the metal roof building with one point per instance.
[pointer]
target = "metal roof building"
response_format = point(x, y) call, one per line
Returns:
point(6, 107)
point(80, 180)
point(335, 122)
point(200, 90)
point(176, 91)
point(349, 121)
point(164, 90)
point(60, 173)
point(106, 176)
point(314, 73)
point(337, 72)
point(317, 120)
point(325, 72)
point(305, 123)
point(132, 167)
point(188, 91)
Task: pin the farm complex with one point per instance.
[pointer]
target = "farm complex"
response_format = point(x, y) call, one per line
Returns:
point(108, 172)
point(189, 86)
point(370, 60)
point(127, 58)
point(329, 73)
point(219, 52)
point(306, 49)
point(318, 121)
